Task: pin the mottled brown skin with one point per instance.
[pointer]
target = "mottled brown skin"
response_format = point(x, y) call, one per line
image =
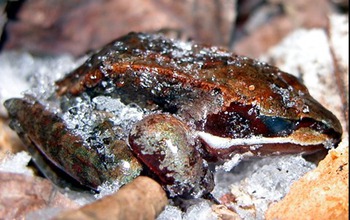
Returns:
point(208, 89)
point(239, 79)
point(47, 132)
point(239, 82)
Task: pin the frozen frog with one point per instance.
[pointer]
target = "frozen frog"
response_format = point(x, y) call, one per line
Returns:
point(184, 105)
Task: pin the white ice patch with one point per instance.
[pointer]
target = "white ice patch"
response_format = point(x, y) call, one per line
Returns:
point(174, 149)
point(16, 163)
point(85, 115)
point(107, 188)
point(22, 71)
point(184, 49)
point(256, 184)
point(170, 213)
point(104, 103)
point(201, 210)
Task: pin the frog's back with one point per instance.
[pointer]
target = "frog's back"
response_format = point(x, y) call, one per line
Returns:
point(149, 60)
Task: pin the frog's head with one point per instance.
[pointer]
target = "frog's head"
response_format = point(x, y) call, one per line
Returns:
point(282, 119)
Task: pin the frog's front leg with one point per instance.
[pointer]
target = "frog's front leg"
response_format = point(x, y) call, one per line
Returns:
point(47, 132)
point(168, 147)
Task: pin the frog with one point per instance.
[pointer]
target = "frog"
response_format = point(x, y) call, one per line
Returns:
point(196, 105)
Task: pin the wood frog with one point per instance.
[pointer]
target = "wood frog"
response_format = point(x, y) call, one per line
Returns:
point(198, 104)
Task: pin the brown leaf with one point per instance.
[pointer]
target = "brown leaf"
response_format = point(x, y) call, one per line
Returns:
point(21, 194)
point(46, 26)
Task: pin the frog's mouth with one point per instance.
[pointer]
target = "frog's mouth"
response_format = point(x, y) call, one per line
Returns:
point(303, 141)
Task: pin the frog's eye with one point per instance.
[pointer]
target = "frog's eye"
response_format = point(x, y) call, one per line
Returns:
point(278, 125)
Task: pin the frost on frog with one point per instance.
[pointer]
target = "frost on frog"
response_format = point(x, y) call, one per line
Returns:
point(169, 106)
point(87, 150)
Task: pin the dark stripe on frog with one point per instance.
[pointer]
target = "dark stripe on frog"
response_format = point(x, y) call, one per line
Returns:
point(238, 121)
point(244, 121)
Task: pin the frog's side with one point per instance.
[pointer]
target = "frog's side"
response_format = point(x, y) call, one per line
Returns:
point(202, 102)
